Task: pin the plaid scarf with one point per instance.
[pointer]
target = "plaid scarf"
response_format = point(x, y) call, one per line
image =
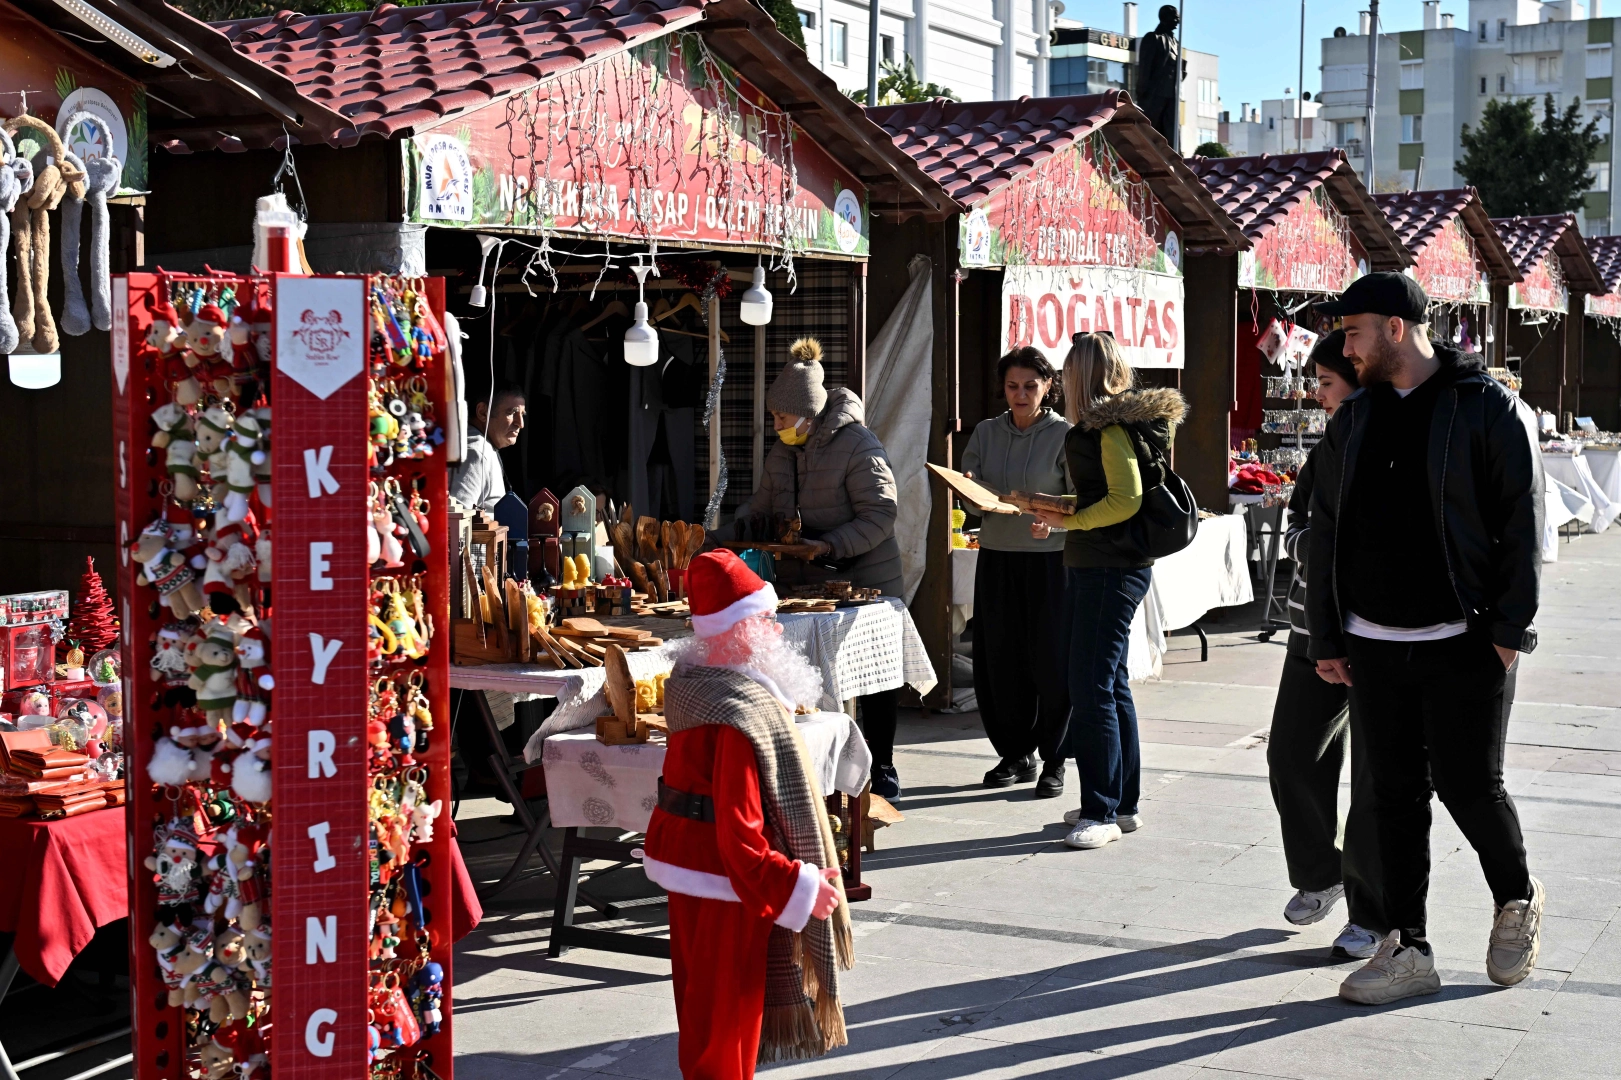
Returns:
point(803, 1017)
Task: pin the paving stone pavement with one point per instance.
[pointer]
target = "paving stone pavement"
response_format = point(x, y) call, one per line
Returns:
point(990, 950)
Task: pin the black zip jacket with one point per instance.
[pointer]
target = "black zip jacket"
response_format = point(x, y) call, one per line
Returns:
point(1296, 545)
point(1486, 486)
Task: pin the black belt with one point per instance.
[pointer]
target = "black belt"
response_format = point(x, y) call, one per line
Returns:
point(685, 805)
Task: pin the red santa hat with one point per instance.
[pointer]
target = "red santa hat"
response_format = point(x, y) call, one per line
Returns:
point(162, 310)
point(210, 313)
point(722, 591)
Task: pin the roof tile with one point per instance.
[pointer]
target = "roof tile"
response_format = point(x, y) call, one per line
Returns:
point(391, 68)
point(1529, 239)
point(1258, 192)
point(1419, 216)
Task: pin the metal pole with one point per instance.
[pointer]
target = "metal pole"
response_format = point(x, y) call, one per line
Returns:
point(1300, 84)
point(1373, 81)
point(1176, 143)
point(872, 53)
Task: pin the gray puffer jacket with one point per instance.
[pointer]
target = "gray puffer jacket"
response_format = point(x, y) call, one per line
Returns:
point(841, 481)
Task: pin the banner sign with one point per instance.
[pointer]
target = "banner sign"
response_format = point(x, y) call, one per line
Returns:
point(1311, 250)
point(1083, 206)
point(1449, 267)
point(319, 644)
point(1607, 306)
point(659, 143)
point(1543, 288)
point(1044, 305)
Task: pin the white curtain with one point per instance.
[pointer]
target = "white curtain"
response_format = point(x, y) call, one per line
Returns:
point(900, 404)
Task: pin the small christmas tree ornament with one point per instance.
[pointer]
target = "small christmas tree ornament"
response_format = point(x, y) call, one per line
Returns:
point(92, 623)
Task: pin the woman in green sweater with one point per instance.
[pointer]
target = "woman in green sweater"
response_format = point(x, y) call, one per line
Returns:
point(1116, 431)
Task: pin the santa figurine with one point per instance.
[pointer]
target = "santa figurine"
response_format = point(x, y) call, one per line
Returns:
point(740, 839)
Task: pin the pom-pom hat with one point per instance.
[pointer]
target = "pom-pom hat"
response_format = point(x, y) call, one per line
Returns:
point(722, 591)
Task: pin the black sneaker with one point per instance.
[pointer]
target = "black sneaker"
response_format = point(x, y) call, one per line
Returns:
point(1051, 783)
point(1010, 771)
point(886, 782)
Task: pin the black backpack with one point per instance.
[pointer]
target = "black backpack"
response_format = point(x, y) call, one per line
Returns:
point(1168, 519)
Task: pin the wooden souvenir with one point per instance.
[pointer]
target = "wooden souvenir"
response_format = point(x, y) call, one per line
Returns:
point(578, 534)
point(545, 523)
point(625, 725)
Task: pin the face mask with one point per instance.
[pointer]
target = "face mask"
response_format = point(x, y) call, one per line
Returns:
point(794, 436)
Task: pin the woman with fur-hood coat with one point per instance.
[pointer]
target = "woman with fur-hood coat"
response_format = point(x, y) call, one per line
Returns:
point(1118, 448)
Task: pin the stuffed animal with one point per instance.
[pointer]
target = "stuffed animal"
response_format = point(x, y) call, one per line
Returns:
point(99, 179)
point(261, 460)
point(167, 943)
point(261, 551)
point(239, 481)
point(214, 677)
point(161, 551)
point(256, 948)
point(254, 681)
point(174, 866)
point(17, 179)
point(163, 339)
point(32, 234)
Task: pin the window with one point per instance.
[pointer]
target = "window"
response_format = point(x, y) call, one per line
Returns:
point(1412, 129)
point(1598, 177)
point(1206, 135)
point(1272, 123)
point(1599, 62)
point(1550, 69)
point(1346, 131)
point(1482, 29)
point(807, 20)
point(1483, 84)
point(887, 41)
point(1412, 75)
point(1345, 77)
point(1502, 84)
point(838, 45)
point(1502, 29)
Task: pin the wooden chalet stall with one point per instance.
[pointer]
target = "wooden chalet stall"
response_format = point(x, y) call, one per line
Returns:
point(1062, 215)
point(1599, 384)
point(1557, 273)
point(1460, 260)
point(580, 140)
point(1315, 229)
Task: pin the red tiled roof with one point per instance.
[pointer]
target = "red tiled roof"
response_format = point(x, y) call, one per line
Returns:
point(1419, 216)
point(1606, 252)
point(394, 68)
point(1258, 192)
point(1530, 239)
point(973, 149)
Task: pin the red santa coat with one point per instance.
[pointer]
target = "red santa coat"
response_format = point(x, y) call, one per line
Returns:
point(727, 886)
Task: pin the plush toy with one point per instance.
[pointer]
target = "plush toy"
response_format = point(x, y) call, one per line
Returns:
point(175, 436)
point(256, 946)
point(216, 1059)
point(168, 663)
point(176, 765)
point(161, 551)
point(206, 338)
point(16, 177)
point(240, 451)
point(163, 339)
point(173, 863)
point(261, 460)
point(214, 677)
point(224, 870)
point(229, 564)
point(250, 772)
point(250, 884)
point(75, 312)
point(31, 226)
point(254, 681)
point(167, 943)
point(103, 175)
point(213, 427)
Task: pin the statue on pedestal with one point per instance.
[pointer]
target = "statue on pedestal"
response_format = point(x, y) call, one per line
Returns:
point(1160, 70)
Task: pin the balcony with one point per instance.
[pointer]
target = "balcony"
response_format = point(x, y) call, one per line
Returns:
point(1352, 148)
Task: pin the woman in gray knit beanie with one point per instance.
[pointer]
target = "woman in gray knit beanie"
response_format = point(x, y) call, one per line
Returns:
point(830, 468)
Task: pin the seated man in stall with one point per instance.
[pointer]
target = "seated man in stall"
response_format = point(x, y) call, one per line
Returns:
point(479, 481)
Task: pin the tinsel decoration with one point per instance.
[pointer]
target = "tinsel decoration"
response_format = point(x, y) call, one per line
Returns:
point(93, 623)
point(712, 402)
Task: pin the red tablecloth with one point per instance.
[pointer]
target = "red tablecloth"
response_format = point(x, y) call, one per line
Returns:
point(61, 880)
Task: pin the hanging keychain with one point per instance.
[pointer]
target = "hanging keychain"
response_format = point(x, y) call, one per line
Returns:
point(406, 519)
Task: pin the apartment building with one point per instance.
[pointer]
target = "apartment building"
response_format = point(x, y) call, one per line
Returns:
point(1434, 80)
point(1276, 126)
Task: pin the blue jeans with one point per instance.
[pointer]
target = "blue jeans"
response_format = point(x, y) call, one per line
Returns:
point(1099, 603)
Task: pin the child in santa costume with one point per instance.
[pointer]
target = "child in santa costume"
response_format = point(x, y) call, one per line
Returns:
point(741, 841)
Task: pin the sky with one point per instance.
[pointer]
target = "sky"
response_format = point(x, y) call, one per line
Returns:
point(1257, 65)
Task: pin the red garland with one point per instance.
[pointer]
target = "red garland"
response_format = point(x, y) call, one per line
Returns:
point(93, 623)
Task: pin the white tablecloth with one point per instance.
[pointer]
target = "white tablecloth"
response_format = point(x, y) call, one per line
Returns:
point(1563, 504)
point(1573, 471)
point(589, 784)
point(1211, 572)
point(1606, 468)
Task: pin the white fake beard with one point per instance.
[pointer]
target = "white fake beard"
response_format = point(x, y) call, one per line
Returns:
point(755, 647)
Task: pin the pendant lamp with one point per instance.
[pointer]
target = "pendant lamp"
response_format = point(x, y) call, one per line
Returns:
point(756, 309)
point(641, 339)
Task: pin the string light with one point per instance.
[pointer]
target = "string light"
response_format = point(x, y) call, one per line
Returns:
point(130, 42)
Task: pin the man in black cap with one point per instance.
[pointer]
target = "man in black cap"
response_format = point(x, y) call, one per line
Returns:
point(1425, 559)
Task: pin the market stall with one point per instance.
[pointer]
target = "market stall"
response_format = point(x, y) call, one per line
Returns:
point(1600, 375)
point(1066, 214)
point(1314, 230)
point(1460, 259)
point(1544, 354)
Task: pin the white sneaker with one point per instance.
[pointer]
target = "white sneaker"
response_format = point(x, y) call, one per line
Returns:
point(1092, 834)
point(1516, 938)
point(1127, 822)
point(1356, 943)
point(1393, 973)
point(1305, 908)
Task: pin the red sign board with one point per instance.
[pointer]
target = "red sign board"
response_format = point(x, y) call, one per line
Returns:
point(1044, 306)
point(1449, 267)
point(1543, 288)
point(1083, 206)
point(319, 645)
point(1311, 250)
point(658, 143)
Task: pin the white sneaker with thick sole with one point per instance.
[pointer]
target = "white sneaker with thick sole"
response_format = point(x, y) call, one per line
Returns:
point(1127, 822)
point(1092, 834)
point(1305, 908)
point(1516, 938)
point(1393, 973)
point(1355, 943)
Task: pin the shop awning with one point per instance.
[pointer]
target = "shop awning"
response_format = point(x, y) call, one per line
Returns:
point(394, 71)
point(1424, 218)
point(1265, 192)
point(1606, 253)
point(1550, 254)
point(975, 149)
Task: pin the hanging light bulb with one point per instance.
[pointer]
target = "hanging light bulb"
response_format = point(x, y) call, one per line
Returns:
point(757, 299)
point(641, 339)
point(480, 295)
point(30, 370)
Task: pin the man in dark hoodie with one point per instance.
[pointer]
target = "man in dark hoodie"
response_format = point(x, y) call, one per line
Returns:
point(1425, 558)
